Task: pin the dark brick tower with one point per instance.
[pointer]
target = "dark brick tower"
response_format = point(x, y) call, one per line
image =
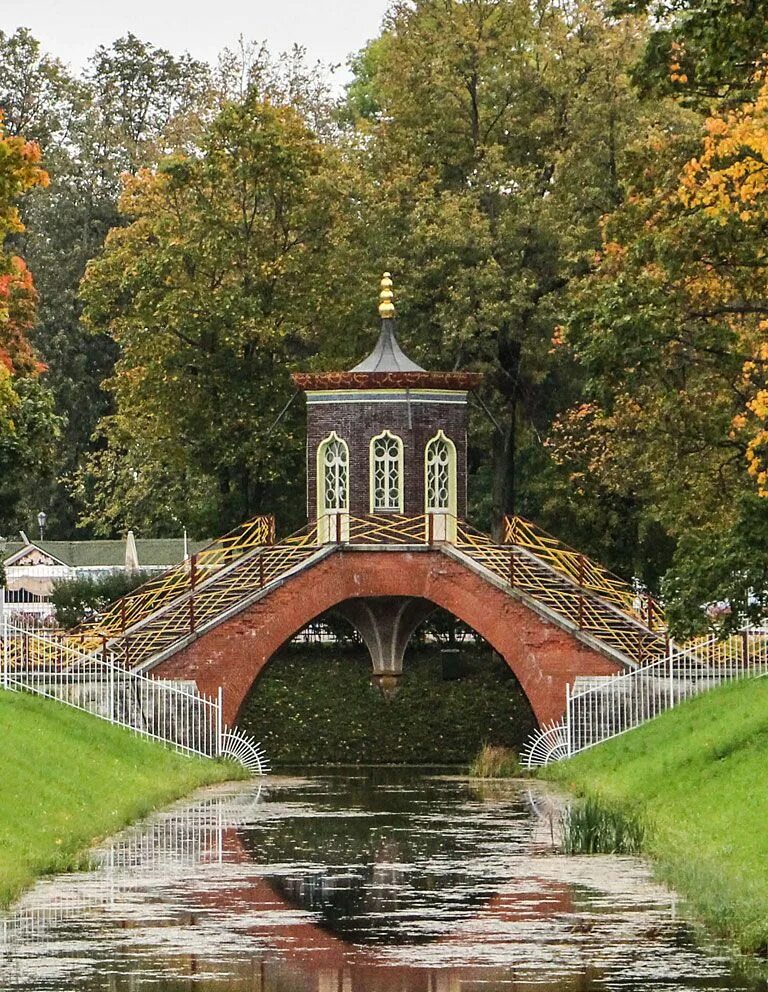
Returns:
point(386, 438)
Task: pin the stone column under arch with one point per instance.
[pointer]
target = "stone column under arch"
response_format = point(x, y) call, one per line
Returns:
point(386, 625)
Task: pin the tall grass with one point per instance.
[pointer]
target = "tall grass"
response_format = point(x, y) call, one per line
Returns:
point(495, 761)
point(591, 826)
point(68, 779)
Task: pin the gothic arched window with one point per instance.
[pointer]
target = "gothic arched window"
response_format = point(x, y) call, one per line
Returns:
point(386, 473)
point(440, 474)
point(332, 475)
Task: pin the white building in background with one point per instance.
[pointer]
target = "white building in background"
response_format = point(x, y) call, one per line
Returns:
point(31, 567)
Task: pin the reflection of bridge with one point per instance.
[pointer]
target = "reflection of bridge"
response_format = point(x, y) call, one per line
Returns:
point(216, 888)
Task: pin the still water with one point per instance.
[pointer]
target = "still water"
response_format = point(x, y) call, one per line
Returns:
point(380, 881)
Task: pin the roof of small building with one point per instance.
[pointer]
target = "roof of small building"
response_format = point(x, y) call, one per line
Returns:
point(108, 554)
point(387, 366)
point(387, 356)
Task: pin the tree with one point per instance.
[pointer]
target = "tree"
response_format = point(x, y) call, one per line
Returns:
point(27, 428)
point(704, 52)
point(496, 131)
point(211, 292)
point(671, 327)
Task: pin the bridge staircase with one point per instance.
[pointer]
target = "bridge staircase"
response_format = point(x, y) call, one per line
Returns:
point(168, 612)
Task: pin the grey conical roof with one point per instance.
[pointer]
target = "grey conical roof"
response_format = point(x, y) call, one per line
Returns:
point(387, 356)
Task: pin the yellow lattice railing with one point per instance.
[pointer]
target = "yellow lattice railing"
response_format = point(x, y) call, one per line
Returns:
point(212, 599)
point(176, 581)
point(583, 571)
point(592, 613)
point(184, 600)
point(389, 529)
point(192, 580)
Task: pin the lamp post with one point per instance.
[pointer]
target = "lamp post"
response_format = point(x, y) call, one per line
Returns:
point(41, 518)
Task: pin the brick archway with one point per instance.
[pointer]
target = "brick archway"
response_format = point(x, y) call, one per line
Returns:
point(544, 656)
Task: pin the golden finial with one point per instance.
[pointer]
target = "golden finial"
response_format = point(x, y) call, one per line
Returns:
point(386, 296)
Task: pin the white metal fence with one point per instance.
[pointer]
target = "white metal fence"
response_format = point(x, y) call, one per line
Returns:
point(173, 713)
point(614, 704)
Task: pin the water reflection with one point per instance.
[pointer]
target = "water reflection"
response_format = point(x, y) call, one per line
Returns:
point(352, 883)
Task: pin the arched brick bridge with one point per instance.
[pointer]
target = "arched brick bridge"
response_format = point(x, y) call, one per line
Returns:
point(550, 612)
point(543, 656)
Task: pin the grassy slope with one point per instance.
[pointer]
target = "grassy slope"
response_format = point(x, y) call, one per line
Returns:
point(316, 705)
point(67, 779)
point(699, 775)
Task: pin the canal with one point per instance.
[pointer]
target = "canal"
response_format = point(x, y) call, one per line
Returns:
point(387, 880)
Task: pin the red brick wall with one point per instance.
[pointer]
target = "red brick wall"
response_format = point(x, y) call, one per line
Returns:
point(357, 423)
point(543, 656)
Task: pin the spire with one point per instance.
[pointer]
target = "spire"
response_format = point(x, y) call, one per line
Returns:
point(387, 356)
point(386, 297)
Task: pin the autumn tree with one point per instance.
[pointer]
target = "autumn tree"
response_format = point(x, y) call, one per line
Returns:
point(27, 427)
point(671, 328)
point(132, 105)
point(497, 132)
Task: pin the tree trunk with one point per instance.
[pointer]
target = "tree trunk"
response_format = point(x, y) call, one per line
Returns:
point(504, 492)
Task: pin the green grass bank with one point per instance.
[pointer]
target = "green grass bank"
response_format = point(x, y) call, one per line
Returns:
point(315, 704)
point(69, 779)
point(697, 774)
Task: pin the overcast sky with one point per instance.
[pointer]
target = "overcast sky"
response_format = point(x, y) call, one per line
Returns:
point(72, 29)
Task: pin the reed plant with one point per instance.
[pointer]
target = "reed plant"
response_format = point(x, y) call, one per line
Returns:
point(697, 773)
point(591, 826)
point(495, 761)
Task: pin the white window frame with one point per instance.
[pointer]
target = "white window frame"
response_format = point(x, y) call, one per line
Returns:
point(398, 461)
point(322, 507)
point(452, 482)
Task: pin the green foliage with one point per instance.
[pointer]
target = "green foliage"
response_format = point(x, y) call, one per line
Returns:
point(70, 780)
point(592, 826)
point(718, 578)
point(316, 705)
point(702, 50)
point(210, 292)
point(27, 454)
point(495, 761)
point(692, 775)
point(77, 600)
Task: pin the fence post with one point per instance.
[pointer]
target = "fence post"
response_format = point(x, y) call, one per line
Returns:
point(745, 650)
point(219, 718)
point(568, 718)
point(430, 528)
point(192, 581)
point(670, 650)
point(4, 635)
